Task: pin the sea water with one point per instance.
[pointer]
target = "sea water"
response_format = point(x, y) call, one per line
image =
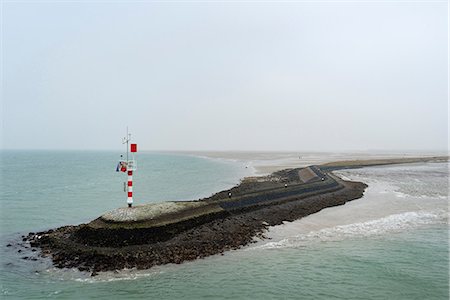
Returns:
point(390, 244)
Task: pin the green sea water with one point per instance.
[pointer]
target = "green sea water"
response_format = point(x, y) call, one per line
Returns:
point(391, 244)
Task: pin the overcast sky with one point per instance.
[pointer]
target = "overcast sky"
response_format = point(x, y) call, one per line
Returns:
point(225, 76)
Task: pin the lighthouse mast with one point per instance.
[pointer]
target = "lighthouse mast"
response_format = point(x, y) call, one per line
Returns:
point(130, 167)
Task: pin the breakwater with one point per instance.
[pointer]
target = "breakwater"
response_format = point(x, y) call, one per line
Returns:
point(173, 232)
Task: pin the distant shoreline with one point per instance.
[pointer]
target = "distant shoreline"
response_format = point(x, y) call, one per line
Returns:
point(268, 162)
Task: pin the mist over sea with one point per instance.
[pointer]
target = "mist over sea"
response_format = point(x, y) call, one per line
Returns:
point(390, 244)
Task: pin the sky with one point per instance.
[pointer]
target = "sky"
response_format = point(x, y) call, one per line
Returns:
point(225, 75)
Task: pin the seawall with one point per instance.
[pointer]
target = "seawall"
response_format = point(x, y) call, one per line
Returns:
point(173, 232)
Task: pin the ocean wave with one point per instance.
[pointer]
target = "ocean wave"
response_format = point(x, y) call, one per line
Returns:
point(108, 276)
point(389, 224)
point(423, 195)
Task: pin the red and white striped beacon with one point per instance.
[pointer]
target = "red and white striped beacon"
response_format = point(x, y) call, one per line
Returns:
point(129, 166)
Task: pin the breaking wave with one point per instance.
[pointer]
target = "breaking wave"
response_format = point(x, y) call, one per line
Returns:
point(389, 224)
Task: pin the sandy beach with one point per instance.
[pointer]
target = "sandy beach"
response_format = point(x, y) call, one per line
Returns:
point(264, 163)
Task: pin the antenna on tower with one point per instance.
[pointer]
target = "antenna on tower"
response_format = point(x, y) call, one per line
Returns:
point(126, 140)
point(128, 166)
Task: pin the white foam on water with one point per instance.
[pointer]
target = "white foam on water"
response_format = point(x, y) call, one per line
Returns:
point(389, 224)
point(392, 202)
point(400, 194)
point(108, 276)
point(122, 275)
